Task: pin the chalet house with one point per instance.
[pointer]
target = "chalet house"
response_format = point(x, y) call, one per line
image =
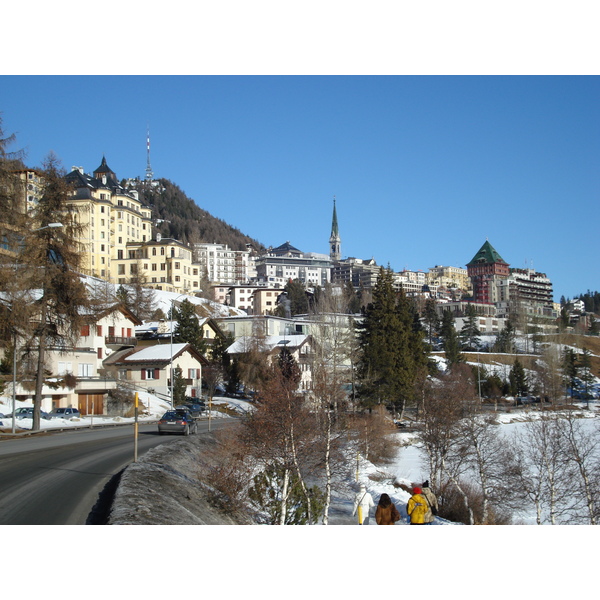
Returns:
point(82, 364)
point(299, 346)
point(150, 368)
point(161, 330)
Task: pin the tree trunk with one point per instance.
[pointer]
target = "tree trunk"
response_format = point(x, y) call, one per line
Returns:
point(284, 495)
point(39, 378)
point(327, 471)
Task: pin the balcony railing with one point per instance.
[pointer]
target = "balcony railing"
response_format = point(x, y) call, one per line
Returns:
point(113, 340)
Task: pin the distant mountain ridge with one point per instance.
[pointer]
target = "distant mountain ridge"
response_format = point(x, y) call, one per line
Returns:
point(178, 216)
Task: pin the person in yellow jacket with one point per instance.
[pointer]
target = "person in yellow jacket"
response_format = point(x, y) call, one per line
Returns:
point(417, 507)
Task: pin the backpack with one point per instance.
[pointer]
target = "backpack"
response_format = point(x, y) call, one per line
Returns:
point(432, 508)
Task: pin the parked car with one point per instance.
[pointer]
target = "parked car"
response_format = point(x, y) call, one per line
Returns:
point(64, 413)
point(177, 421)
point(521, 400)
point(196, 408)
point(26, 412)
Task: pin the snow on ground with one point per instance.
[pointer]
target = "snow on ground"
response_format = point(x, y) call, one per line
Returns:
point(421, 561)
point(150, 409)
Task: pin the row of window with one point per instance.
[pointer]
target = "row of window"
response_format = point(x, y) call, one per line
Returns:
point(83, 369)
point(153, 373)
point(86, 329)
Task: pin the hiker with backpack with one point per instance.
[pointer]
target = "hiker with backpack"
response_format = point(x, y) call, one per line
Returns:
point(363, 502)
point(417, 507)
point(431, 501)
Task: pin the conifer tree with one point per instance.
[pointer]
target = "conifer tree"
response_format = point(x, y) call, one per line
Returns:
point(187, 327)
point(505, 340)
point(431, 319)
point(570, 369)
point(450, 340)
point(469, 332)
point(391, 349)
point(518, 379)
point(179, 386)
point(296, 296)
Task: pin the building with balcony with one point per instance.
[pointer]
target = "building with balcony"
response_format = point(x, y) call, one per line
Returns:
point(286, 263)
point(162, 264)
point(360, 273)
point(525, 290)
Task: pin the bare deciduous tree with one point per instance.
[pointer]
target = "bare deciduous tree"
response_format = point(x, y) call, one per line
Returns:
point(280, 434)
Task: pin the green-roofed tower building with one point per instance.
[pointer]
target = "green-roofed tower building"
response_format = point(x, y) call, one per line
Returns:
point(486, 267)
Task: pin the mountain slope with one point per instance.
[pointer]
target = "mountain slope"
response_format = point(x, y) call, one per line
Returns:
point(179, 217)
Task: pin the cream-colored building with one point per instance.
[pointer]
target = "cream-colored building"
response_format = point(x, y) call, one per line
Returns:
point(162, 264)
point(110, 217)
point(448, 277)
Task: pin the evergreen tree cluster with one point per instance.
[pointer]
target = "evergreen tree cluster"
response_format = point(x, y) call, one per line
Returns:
point(393, 355)
point(180, 218)
point(591, 300)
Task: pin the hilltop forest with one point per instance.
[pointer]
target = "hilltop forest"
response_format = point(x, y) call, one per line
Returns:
point(178, 216)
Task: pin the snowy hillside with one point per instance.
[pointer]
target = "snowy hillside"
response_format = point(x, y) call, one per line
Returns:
point(164, 300)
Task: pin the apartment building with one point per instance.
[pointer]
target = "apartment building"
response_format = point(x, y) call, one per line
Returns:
point(162, 264)
point(224, 265)
point(525, 288)
point(218, 261)
point(448, 277)
point(412, 282)
point(286, 263)
point(360, 273)
point(111, 217)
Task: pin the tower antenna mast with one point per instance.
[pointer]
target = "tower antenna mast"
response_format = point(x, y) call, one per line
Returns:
point(149, 172)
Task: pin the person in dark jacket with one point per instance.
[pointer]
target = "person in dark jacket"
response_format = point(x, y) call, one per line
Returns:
point(386, 513)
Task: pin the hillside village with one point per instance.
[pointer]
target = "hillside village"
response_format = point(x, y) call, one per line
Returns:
point(132, 341)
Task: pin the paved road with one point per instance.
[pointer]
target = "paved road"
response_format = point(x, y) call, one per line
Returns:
point(56, 479)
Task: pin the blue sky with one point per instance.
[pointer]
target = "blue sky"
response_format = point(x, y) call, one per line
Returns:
point(424, 168)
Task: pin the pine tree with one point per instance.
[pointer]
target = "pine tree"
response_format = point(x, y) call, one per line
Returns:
point(518, 379)
point(570, 369)
point(187, 327)
point(505, 340)
point(469, 332)
point(296, 296)
point(391, 348)
point(179, 386)
point(431, 319)
point(450, 340)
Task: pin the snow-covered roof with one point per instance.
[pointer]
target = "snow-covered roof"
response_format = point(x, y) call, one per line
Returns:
point(270, 343)
point(157, 352)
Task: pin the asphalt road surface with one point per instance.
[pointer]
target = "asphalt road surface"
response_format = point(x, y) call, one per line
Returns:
point(60, 478)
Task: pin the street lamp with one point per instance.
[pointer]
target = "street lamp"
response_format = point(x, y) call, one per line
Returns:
point(50, 226)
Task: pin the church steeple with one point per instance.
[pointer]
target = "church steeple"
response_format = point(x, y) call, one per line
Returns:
point(335, 241)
